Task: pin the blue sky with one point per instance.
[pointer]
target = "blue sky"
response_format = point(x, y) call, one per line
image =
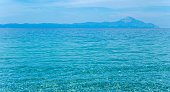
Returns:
point(75, 11)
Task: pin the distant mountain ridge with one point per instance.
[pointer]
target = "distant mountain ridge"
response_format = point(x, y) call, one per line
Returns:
point(127, 22)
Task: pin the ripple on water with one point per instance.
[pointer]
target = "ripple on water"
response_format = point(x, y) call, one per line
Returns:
point(52, 60)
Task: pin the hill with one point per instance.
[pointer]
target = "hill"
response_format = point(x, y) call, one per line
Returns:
point(127, 22)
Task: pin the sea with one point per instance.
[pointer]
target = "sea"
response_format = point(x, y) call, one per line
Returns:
point(84, 60)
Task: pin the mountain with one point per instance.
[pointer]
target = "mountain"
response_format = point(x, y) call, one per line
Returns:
point(130, 22)
point(127, 22)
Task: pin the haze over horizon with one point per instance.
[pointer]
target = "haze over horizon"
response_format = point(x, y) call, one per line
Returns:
point(78, 11)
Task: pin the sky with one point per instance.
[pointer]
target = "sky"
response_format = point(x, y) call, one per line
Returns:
point(77, 11)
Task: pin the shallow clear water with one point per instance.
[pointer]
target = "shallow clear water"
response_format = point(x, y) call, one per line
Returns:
point(50, 60)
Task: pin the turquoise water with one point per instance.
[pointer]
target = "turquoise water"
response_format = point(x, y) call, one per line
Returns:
point(54, 60)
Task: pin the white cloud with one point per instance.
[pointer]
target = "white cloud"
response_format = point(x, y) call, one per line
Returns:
point(147, 10)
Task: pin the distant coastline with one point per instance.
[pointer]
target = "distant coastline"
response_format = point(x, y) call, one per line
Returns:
point(127, 22)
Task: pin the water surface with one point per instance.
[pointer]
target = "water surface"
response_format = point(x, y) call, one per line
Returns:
point(52, 60)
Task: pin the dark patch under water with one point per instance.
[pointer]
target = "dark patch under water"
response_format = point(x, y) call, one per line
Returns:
point(50, 60)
